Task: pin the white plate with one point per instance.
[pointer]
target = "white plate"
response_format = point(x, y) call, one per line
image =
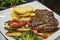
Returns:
point(36, 5)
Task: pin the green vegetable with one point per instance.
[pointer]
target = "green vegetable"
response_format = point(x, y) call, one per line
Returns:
point(9, 28)
point(16, 37)
point(23, 0)
point(7, 21)
point(4, 3)
point(27, 36)
point(38, 38)
point(30, 36)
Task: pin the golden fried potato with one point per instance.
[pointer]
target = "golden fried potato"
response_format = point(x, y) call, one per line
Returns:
point(32, 14)
point(28, 14)
point(26, 18)
point(33, 9)
point(25, 15)
point(13, 15)
point(20, 10)
point(30, 8)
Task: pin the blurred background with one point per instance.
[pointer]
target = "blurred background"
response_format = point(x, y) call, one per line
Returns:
point(52, 4)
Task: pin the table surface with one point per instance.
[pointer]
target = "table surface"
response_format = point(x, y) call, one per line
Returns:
point(35, 3)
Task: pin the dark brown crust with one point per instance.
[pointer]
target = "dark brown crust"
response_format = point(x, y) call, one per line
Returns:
point(44, 18)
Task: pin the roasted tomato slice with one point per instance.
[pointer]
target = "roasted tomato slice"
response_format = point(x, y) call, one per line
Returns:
point(16, 23)
point(36, 28)
point(43, 35)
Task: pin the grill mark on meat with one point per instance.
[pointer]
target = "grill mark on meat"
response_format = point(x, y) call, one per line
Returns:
point(45, 19)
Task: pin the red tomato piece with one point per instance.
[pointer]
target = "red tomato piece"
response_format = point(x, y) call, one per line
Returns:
point(16, 23)
point(36, 28)
point(43, 35)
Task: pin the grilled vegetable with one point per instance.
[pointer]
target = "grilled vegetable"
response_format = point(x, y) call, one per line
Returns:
point(36, 28)
point(42, 35)
point(23, 29)
point(13, 34)
point(38, 38)
point(7, 27)
point(10, 28)
point(29, 35)
point(26, 18)
point(17, 23)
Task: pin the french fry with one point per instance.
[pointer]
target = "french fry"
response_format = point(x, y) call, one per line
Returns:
point(13, 34)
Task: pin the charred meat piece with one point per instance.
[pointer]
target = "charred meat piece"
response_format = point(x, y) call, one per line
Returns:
point(48, 28)
point(45, 19)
